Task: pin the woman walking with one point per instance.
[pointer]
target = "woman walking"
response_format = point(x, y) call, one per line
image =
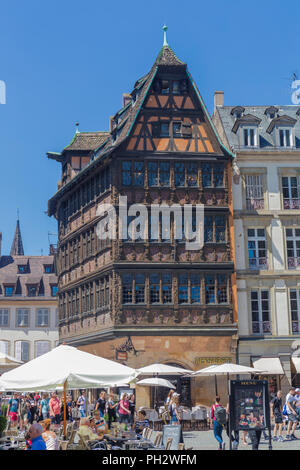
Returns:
point(111, 410)
point(174, 409)
point(124, 412)
point(101, 404)
point(131, 409)
point(44, 406)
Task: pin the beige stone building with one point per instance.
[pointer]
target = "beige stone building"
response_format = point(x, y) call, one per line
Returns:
point(266, 199)
point(28, 303)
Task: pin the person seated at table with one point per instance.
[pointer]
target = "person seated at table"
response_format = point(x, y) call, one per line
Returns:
point(141, 423)
point(36, 440)
point(86, 431)
point(49, 436)
point(100, 424)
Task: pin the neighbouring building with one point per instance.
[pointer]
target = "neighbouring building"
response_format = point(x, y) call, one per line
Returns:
point(266, 199)
point(150, 300)
point(28, 303)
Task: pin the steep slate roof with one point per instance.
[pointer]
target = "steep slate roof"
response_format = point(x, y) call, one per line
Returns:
point(9, 274)
point(87, 141)
point(165, 58)
point(17, 244)
point(265, 139)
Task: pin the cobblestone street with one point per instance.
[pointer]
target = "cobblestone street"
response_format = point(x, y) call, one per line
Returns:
point(204, 440)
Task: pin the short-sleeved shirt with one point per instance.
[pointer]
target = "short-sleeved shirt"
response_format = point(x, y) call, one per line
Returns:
point(55, 405)
point(126, 405)
point(102, 404)
point(45, 405)
point(81, 401)
point(38, 443)
point(277, 405)
point(13, 405)
point(290, 399)
point(140, 425)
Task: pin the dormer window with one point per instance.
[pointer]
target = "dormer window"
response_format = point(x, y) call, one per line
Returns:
point(237, 112)
point(165, 87)
point(285, 138)
point(22, 268)
point(250, 136)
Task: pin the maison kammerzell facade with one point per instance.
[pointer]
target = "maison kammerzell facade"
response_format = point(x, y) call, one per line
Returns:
point(150, 300)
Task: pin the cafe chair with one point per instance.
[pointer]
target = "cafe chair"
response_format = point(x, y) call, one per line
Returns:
point(158, 439)
point(63, 445)
point(169, 443)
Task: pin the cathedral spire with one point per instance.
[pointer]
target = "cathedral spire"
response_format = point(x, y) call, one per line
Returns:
point(17, 244)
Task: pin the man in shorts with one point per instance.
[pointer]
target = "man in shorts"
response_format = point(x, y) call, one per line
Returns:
point(292, 415)
point(13, 409)
point(297, 397)
point(276, 413)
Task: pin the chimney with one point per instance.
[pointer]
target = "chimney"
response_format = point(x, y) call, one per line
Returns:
point(111, 122)
point(126, 99)
point(218, 99)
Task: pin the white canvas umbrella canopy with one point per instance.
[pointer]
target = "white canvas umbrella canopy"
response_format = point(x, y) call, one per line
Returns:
point(66, 365)
point(225, 369)
point(162, 369)
point(155, 382)
point(9, 361)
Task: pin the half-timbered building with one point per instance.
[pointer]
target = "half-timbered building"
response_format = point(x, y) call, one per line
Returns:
point(149, 300)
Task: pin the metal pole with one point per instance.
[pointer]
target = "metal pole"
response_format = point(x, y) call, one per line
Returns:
point(65, 410)
point(216, 385)
point(229, 421)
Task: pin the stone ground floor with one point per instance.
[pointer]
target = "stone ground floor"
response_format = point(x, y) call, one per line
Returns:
point(204, 440)
point(189, 352)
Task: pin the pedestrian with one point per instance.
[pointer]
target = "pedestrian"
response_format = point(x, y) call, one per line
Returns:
point(297, 397)
point(62, 412)
point(131, 409)
point(174, 409)
point(111, 410)
point(54, 408)
point(276, 414)
point(81, 402)
point(44, 406)
point(24, 408)
point(13, 409)
point(124, 411)
point(69, 407)
point(292, 414)
point(255, 436)
point(217, 414)
point(32, 408)
point(101, 404)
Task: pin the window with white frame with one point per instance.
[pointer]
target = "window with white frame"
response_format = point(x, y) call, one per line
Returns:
point(290, 192)
point(250, 136)
point(4, 347)
point(295, 310)
point(285, 137)
point(41, 347)
point(257, 250)
point(254, 192)
point(22, 351)
point(4, 317)
point(42, 317)
point(260, 310)
point(293, 247)
point(22, 317)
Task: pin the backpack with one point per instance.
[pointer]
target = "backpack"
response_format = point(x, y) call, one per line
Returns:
point(284, 411)
point(220, 415)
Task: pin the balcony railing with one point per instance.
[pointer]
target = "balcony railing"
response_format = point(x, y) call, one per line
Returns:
point(293, 262)
point(293, 203)
point(258, 263)
point(262, 327)
point(295, 327)
point(254, 204)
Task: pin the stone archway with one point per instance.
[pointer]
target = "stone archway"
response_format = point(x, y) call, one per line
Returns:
point(182, 384)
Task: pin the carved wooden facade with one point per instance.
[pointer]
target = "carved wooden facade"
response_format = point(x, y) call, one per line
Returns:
point(162, 149)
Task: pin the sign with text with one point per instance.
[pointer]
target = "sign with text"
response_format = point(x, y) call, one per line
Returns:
point(198, 361)
point(249, 405)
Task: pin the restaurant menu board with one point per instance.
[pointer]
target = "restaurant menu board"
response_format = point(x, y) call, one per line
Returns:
point(249, 405)
point(174, 431)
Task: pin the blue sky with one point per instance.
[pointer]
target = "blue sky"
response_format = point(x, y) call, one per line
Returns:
point(67, 61)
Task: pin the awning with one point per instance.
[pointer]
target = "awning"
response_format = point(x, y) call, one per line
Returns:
point(271, 365)
point(296, 362)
